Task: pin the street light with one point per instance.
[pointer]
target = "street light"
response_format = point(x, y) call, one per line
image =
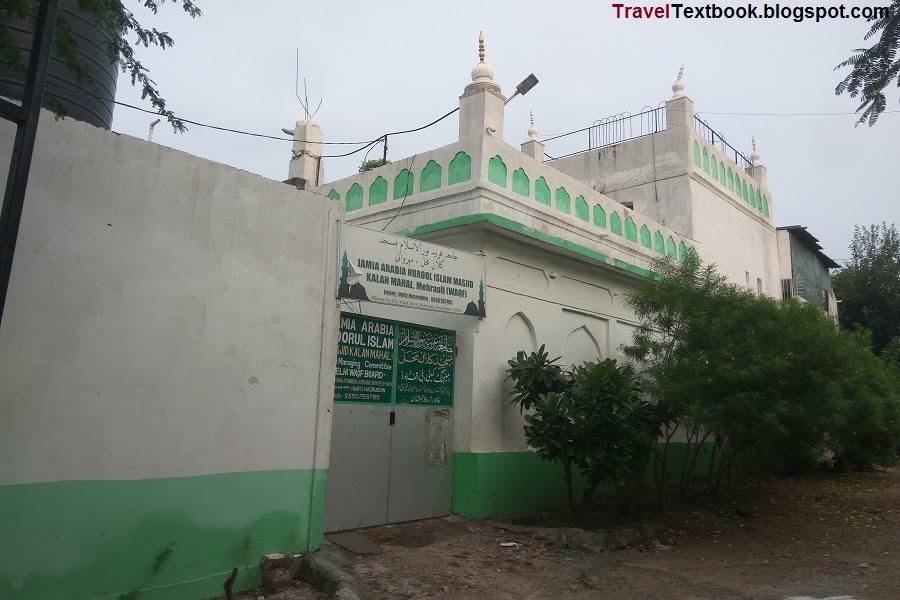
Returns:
point(524, 87)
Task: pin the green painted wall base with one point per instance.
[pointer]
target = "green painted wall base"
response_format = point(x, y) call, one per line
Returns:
point(499, 483)
point(87, 540)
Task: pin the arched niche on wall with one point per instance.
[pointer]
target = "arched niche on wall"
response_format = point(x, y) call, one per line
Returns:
point(518, 334)
point(580, 346)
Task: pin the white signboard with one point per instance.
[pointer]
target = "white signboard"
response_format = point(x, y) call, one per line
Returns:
point(388, 269)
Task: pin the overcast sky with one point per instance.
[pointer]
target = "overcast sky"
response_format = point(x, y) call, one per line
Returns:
point(385, 66)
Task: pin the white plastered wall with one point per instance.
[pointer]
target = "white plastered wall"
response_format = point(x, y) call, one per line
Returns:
point(537, 296)
point(734, 238)
point(167, 316)
point(657, 175)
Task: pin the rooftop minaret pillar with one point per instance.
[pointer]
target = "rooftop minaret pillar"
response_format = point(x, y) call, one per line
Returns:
point(679, 108)
point(306, 158)
point(757, 170)
point(481, 105)
point(761, 175)
point(533, 147)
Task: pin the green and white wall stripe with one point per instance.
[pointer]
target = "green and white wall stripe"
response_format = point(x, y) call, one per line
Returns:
point(502, 483)
point(731, 177)
point(167, 365)
point(568, 197)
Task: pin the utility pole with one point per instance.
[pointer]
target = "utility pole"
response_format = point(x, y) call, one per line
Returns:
point(26, 119)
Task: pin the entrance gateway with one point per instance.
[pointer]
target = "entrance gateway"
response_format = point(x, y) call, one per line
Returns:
point(393, 391)
point(391, 428)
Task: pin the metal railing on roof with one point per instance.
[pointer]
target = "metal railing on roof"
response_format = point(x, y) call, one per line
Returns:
point(716, 139)
point(619, 128)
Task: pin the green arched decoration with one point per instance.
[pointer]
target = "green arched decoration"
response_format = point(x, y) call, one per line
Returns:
point(766, 206)
point(713, 167)
point(430, 179)
point(670, 248)
point(744, 191)
point(659, 242)
point(354, 197)
point(333, 194)
point(497, 171)
point(630, 230)
point(705, 155)
point(563, 201)
point(403, 184)
point(542, 191)
point(682, 251)
point(378, 191)
point(752, 196)
point(646, 239)
point(615, 223)
point(759, 200)
point(697, 160)
point(730, 179)
point(521, 183)
point(581, 209)
point(722, 173)
point(460, 168)
point(599, 216)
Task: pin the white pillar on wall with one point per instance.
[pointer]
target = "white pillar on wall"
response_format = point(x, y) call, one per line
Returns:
point(533, 147)
point(306, 157)
point(757, 170)
point(679, 108)
point(481, 105)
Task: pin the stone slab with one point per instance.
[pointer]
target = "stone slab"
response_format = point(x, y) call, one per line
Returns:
point(355, 542)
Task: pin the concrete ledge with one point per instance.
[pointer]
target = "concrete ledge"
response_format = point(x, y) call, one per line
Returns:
point(314, 569)
point(327, 576)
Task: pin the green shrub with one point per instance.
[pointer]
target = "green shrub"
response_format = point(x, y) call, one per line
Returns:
point(589, 419)
point(756, 375)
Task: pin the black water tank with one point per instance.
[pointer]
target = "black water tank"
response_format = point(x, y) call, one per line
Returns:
point(60, 81)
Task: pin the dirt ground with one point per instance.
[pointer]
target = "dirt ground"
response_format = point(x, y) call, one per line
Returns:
point(773, 538)
point(297, 590)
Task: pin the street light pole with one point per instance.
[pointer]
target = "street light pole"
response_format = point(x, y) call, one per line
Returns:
point(523, 88)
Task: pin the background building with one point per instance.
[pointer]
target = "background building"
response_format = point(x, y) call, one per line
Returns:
point(805, 268)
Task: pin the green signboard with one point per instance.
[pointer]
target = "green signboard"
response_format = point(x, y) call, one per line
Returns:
point(388, 362)
point(365, 361)
point(425, 359)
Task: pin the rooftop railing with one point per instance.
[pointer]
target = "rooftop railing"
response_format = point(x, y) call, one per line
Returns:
point(616, 129)
point(716, 139)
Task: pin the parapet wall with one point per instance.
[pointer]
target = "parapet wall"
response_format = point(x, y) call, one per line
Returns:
point(496, 179)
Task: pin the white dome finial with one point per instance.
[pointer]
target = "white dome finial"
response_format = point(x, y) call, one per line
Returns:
point(754, 158)
point(482, 73)
point(678, 86)
point(532, 131)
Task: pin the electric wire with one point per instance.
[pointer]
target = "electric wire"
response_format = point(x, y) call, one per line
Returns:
point(737, 114)
point(67, 88)
point(834, 114)
point(364, 144)
point(369, 144)
point(409, 166)
point(350, 307)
